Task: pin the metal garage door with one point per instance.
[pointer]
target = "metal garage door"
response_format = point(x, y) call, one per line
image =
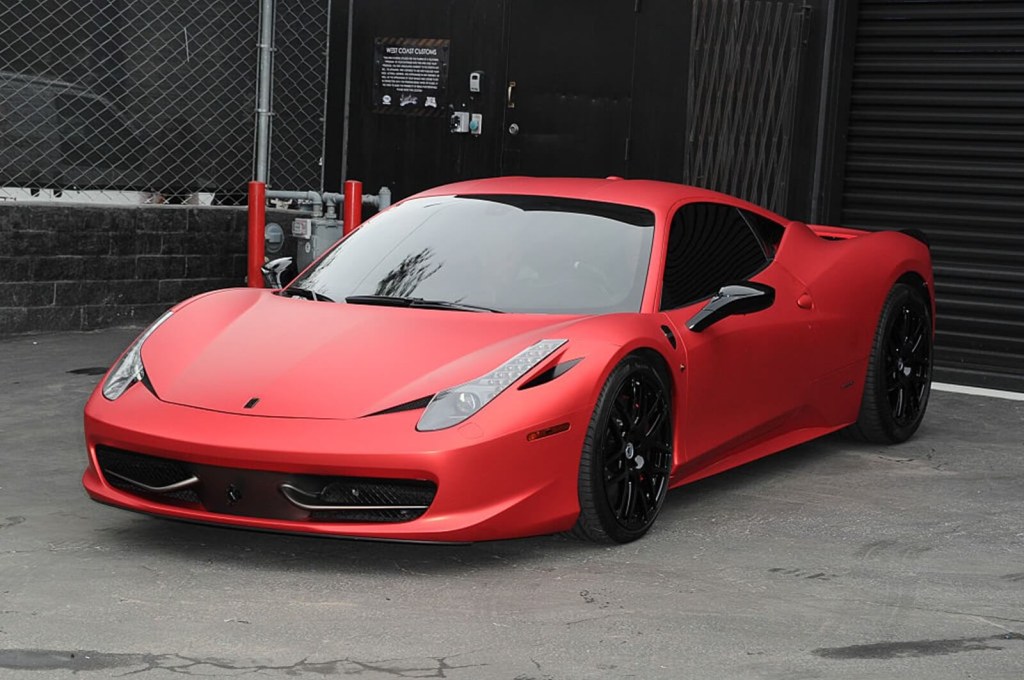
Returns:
point(936, 142)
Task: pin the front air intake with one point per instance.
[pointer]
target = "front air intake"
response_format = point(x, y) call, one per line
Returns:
point(362, 499)
point(264, 493)
point(146, 475)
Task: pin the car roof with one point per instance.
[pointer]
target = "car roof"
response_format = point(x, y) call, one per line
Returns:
point(654, 195)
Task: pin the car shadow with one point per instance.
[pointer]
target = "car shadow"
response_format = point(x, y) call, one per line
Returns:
point(803, 459)
point(173, 540)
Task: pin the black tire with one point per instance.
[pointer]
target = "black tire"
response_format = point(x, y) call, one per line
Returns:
point(627, 455)
point(899, 375)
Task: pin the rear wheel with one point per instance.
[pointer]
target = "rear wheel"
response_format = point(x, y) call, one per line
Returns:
point(627, 455)
point(899, 374)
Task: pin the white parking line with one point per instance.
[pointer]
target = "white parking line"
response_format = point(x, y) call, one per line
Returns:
point(978, 391)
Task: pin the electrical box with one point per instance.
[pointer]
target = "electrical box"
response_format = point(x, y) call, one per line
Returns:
point(314, 236)
point(460, 122)
point(273, 238)
point(475, 81)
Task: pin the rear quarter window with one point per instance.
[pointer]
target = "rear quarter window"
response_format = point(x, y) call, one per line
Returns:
point(769, 232)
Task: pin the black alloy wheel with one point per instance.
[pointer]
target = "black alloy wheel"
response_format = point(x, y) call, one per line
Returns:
point(900, 370)
point(908, 364)
point(627, 455)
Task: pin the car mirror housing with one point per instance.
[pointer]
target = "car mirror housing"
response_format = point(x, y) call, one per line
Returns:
point(730, 300)
point(273, 271)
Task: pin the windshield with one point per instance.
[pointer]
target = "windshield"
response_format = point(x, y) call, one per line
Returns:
point(526, 254)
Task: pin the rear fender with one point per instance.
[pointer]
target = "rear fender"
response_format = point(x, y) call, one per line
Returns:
point(849, 273)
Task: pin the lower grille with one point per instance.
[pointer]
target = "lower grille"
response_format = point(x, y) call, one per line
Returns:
point(146, 475)
point(356, 499)
point(268, 495)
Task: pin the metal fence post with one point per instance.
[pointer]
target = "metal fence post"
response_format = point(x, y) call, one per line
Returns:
point(264, 89)
point(258, 187)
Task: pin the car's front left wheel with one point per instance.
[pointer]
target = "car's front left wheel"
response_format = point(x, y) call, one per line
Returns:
point(627, 455)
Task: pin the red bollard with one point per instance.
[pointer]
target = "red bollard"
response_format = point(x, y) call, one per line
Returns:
point(353, 206)
point(257, 226)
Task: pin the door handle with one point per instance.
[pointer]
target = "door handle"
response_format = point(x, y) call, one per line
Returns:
point(509, 101)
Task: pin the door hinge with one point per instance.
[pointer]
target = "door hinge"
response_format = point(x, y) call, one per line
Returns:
point(636, 6)
point(626, 158)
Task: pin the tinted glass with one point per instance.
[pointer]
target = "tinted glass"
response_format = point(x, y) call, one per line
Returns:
point(709, 246)
point(769, 231)
point(528, 254)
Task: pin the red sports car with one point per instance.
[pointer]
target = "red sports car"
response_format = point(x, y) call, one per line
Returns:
point(516, 356)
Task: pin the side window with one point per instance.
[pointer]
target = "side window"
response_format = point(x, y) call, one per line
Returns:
point(769, 231)
point(709, 245)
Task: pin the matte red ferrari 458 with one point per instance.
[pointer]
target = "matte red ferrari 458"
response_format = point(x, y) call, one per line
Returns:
point(516, 356)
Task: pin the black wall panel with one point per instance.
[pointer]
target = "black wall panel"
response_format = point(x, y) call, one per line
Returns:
point(745, 84)
point(410, 153)
point(936, 142)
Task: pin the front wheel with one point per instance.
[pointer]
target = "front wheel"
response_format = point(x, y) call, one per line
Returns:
point(627, 455)
point(899, 374)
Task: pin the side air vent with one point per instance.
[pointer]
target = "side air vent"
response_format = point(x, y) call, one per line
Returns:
point(670, 335)
point(550, 374)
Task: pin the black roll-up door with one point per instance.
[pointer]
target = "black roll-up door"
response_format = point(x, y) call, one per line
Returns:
point(936, 142)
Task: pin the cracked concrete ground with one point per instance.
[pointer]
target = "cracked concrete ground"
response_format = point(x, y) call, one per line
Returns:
point(830, 560)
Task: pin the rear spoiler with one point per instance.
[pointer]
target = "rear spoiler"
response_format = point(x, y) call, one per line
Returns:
point(835, 233)
point(844, 233)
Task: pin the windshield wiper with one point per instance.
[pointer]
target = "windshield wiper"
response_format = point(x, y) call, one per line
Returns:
point(295, 291)
point(396, 301)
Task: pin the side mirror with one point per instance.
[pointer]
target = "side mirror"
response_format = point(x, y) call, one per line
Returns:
point(273, 270)
point(735, 298)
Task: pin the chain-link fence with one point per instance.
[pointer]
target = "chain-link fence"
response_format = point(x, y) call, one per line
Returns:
point(300, 82)
point(149, 102)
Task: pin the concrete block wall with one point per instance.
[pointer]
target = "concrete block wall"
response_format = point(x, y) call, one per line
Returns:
point(82, 267)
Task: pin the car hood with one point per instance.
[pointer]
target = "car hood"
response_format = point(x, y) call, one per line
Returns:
point(305, 359)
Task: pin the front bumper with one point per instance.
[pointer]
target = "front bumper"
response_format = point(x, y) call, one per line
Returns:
point(490, 481)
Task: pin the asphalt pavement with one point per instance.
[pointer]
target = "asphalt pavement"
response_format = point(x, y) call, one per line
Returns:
point(829, 560)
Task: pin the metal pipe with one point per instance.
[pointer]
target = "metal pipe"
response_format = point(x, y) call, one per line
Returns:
point(257, 222)
point(348, 93)
point(264, 91)
point(326, 85)
point(380, 200)
point(313, 197)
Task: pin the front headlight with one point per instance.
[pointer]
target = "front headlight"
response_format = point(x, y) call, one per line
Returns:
point(452, 406)
point(129, 369)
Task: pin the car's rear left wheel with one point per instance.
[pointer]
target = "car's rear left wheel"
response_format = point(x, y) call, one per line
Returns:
point(627, 455)
point(899, 375)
